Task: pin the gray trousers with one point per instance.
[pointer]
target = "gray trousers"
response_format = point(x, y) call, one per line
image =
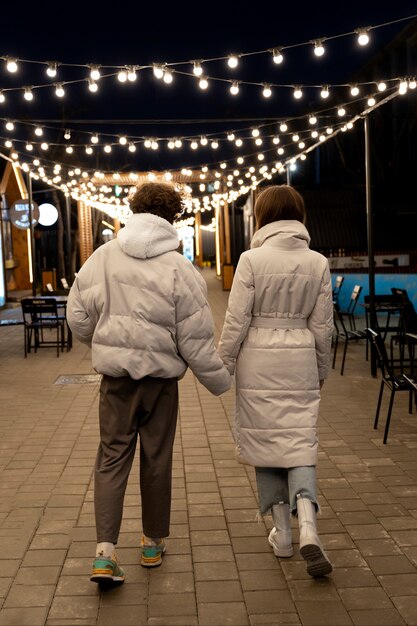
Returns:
point(128, 408)
point(284, 484)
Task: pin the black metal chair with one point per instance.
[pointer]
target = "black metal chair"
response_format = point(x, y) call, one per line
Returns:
point(394, 383)
point(350, 311)
point(40, 315)
point(407, 324)
point(336, 289)
point(344, 334)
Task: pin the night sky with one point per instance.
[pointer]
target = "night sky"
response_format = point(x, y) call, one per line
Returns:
point(142, 34)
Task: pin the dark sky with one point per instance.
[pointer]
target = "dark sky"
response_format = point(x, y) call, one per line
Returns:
point(139, 33)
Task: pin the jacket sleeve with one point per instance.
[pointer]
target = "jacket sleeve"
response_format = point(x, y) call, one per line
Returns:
point(81, 324)
point(195, 333)
point(320, 323)
point(238, 314)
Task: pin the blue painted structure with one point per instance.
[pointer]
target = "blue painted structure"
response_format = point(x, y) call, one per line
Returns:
point(383, 284)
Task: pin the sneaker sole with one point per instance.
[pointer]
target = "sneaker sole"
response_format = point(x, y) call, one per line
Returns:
point(152, 563)
point(105, 579)
point(317, 564)
point(281, 552)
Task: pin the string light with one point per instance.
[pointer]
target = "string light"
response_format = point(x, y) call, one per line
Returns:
point(312, 120)
point(194, 145)
point(318, 48)
point(9, 125)
point(324, 93)
point(44, 145)
point(131, 74)
point(298, 93)
point(122, 76)
point(402, 89)
point(51, 70)
point(107, 148)
point(341, 111)
point(123, 140)
point(28, 94)
point(363, 37)
point(11, 65)
point(92, 86)
point(197, 69)
point(214, 145)
point(204, 141)
point(371, 101)
point(283, 127)
point(2, 97)
point(275, 140)
point(230, 136)
point(412, 84)
point(277, 56)
point(354, 90)
point(94, 139)
point(59, 90)
point(132, 147)
point(178, 143)
point(232, 61)
point(89, 150)
point(234, 89)
point(203, 83)
point(95, 72)
point(69, 149)
point(238, 143)
point(381, 86)
point(67, 134)
point(38, 131)
point(168, 76)
point(267, 91)
point(158, 71)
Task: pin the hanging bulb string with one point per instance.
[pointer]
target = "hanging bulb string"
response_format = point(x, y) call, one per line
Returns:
point(124, 66)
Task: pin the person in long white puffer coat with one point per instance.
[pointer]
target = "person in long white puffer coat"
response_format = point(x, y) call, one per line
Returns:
point(142, 308)
point(276, 339)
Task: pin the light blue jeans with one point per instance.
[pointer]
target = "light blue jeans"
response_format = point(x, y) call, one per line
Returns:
point(282, 484)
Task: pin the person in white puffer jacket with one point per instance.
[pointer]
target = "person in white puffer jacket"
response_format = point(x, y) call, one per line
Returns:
point(143, 309)
point(277, 337)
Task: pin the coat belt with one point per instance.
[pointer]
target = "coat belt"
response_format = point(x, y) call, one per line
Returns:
point(278, 322)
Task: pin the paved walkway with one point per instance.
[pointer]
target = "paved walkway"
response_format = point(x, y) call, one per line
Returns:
point(219, 568)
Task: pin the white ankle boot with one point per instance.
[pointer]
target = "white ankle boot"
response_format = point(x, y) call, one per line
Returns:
point(310, 547)
point(280, 536)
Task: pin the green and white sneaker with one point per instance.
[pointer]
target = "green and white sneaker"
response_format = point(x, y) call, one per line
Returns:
point(107, 570)
point(152, 552)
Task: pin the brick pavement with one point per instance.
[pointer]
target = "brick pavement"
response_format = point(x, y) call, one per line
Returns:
point(219, 568)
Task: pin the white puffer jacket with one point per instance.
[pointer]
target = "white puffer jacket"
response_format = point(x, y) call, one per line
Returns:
point(277, 333)
point(143, 309)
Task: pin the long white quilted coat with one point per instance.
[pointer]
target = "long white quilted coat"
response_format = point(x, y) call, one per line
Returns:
point(277, 333)
point(142, 307)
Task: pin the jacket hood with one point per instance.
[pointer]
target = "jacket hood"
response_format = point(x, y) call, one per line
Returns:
point(147, 235)
point(284, 230)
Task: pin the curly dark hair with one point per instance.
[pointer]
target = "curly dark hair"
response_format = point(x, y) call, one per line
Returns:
point(161, 199)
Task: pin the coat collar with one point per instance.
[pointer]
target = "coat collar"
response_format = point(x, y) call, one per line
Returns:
point(147, 235)
point(288, 233)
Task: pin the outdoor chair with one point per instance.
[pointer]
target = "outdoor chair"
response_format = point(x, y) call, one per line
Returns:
point(345, 335)
point(407, 324)
point(336, 289)
point(41, 315)
point(350, 311)
point(394, 383)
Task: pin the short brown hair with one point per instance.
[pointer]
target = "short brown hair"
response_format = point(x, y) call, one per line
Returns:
point(161, 199)
point(279, 202)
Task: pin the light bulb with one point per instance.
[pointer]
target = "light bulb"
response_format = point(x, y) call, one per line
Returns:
point(349, 125)
point(92, 86)
point(95, 72)
point(258, 141)
point(371, 101)
point(171, 144)
point(2, 97)
point(214, 145)
point(8, 143)
point(381, 86)
point(277, 56)
point(231, 136)
point(29, 147)
point(194, 145)
point(94, 139)
point(283, 127)
point(232, 61)
point(203, 83)
point(329, 130)
point(238, 143)
point(178, 143)
point(402, 89)
point(301, 145)
point(261, 157)
point(28, 94)
point(132, 147)
point(322, 138)
point(69, 149)
point(240, 160)
point(324, 92)
point(107, 148)
point(123, 140)
point(412, 83)
point(204, 141)
point(234, 89)
point(223, 166)
point(341, 111)
point(275, 140)
point(197, 69)
point(89, 150)
point(147, 143)
point(354, 90)
point(67, 134)
point(267, 91)
point(158, 72)
point(51, 70)
point(44, 145)
point(318, 48)
point(122, 76)
point(11, 65)
point(303, 157)
point(363, 37)
point(168, 77)
point(9, 126)
point(297, 93)
point(295, 137)
point(154, 145)
point(59, 91)
point(312, 119)
point(314, 134)
point(131, 74)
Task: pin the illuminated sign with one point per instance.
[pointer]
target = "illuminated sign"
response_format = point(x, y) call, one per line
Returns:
point(19, 214)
